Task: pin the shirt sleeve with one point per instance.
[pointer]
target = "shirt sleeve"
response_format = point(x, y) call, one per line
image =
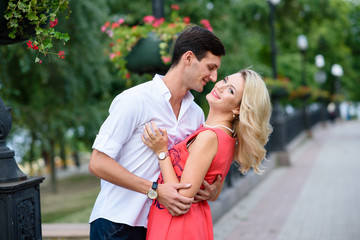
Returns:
point(123, 118)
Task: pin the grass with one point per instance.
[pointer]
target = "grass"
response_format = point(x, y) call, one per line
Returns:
point(73, 201)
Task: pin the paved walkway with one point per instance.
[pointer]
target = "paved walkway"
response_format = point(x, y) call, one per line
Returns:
point(316, 198)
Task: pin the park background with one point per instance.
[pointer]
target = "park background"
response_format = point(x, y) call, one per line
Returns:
point(59, 105)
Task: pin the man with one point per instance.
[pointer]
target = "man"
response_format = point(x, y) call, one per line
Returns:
point(127, 167)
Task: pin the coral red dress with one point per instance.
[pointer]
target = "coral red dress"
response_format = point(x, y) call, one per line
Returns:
point(196, 224)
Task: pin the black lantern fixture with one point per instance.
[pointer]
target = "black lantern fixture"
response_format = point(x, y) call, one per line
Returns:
point(19, 195)
point(302, 44)
point(320, 78)
point(338, 72)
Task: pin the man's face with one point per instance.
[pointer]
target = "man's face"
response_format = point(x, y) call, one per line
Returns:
point(201, 72)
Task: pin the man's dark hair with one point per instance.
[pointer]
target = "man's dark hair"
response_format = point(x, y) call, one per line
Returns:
point(198, 40)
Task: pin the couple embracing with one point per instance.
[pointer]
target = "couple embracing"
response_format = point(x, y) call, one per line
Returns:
point(159, 160)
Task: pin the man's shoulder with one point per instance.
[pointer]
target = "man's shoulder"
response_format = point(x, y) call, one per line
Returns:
point(142, 87)
point(137, 92)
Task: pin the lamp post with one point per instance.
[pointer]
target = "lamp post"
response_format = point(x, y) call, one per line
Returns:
point(302, 44)
point(338, 72)
point(20, 216)
point(320, 78)
point(158, 8)
point(277, 118)
point(272, 4)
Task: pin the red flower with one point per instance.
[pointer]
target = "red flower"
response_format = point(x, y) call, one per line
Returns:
point(61, 54)
point(149, 19)
point(206, 24)
point(166, 59)
point(121, 21)
point(29, 44)
point(115, 25)
point(53, 23)
point(186, 20)
point(158, 22)
point(107, 24)
point(175, 7)
point(127, 76)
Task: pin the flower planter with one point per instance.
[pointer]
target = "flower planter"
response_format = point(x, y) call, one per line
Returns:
point(279, 93)
point(28, 31)
point(145, 57)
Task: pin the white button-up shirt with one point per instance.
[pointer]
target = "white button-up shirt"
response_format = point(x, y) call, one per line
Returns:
point(120, 138)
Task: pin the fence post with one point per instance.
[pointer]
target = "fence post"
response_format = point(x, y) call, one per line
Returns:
point(278, 136)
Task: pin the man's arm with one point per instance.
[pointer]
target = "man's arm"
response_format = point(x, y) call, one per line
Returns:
point(210, 192)
point(104, 167)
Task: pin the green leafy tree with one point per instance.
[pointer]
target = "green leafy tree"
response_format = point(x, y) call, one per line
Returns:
point(50, 98)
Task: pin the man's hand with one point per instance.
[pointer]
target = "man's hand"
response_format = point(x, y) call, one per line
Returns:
point(175, 203)
point(210, 192)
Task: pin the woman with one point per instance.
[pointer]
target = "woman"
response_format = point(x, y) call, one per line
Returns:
point(237, 127)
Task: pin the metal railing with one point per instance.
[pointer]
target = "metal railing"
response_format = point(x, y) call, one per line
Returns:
point(285, 130)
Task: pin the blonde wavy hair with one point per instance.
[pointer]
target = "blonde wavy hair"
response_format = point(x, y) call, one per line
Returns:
point(253, 124)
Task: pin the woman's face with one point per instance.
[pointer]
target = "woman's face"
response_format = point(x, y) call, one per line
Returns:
point(227, 93)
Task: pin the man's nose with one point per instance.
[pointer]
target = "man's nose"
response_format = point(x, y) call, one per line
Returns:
point(213, 76)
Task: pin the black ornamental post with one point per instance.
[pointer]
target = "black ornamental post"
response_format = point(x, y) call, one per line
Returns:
point(20, 216)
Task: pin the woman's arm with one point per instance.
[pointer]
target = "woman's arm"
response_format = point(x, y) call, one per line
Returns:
point(201, 153)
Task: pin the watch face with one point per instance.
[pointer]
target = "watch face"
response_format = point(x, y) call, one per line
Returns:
point(152, 194)
point(162, 155)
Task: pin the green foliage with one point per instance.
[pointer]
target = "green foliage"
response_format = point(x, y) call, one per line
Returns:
point(24, 14)
point(55, 97)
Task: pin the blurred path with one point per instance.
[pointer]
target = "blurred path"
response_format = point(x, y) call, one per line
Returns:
point(316, 198)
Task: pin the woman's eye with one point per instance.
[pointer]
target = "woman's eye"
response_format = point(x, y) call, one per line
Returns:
point(231, 91)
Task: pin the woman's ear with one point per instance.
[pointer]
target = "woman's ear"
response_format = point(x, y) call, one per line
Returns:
point(236, 111)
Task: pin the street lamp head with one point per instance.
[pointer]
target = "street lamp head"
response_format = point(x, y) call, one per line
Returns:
point(274, 2)
point(337, 70)
point(302, 42)
point(319, 61)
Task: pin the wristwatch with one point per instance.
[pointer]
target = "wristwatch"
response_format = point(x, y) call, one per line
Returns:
point(163, 155)
point(152, 192)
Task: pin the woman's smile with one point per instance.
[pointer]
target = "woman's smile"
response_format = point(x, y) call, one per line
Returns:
point(215, 94)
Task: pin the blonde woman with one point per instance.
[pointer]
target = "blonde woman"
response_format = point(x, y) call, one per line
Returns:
point(237, 127)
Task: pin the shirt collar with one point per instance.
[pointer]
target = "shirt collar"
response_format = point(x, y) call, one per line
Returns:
point(163, 90)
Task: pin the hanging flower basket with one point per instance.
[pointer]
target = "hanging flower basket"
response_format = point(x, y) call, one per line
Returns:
point(145, 56)
point(279, 88)
point(279, 93)
point(145, 48)
point(21, 20)
point(28, 31)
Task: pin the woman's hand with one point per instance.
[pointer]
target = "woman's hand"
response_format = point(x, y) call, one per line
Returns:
point(156, 139)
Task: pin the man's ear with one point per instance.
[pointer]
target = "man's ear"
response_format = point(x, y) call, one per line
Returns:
point(187, 57)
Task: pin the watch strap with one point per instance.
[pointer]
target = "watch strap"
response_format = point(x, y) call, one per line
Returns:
point(154, 186)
